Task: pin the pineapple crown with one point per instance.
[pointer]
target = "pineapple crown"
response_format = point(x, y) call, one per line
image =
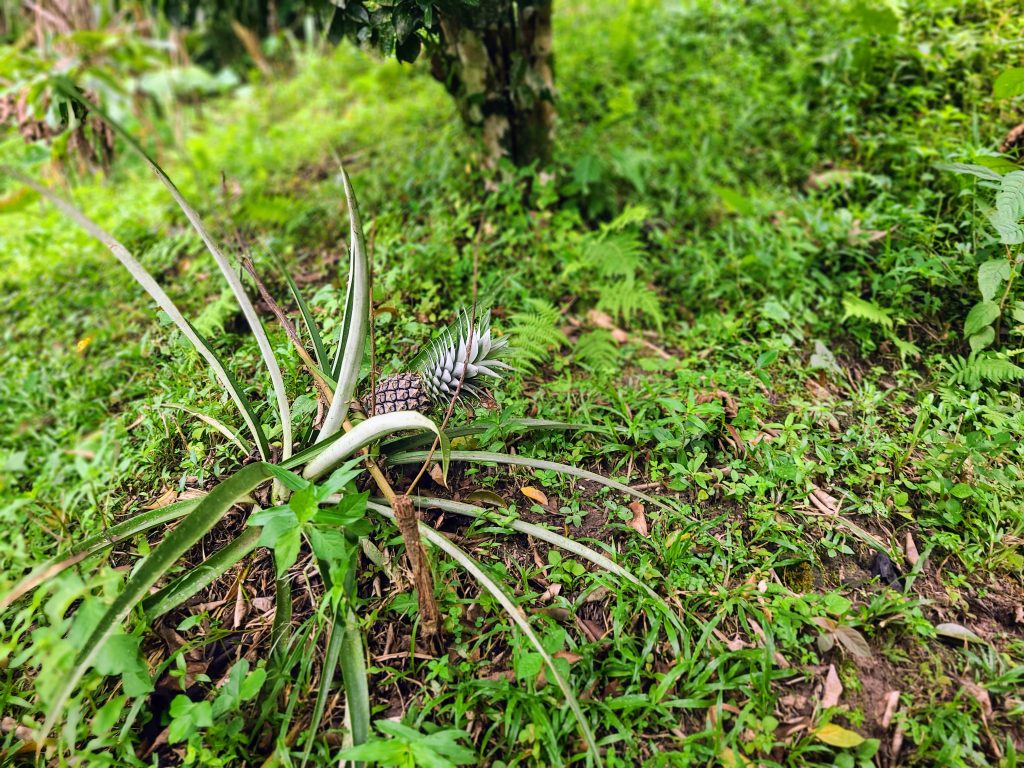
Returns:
point(465, 344)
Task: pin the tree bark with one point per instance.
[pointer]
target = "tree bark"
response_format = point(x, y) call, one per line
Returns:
point(495, 59)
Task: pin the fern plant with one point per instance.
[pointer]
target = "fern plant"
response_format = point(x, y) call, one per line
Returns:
point(597, 351)
point(613, 259)
point(983, 368)
point(315, 502)
point(535, 333)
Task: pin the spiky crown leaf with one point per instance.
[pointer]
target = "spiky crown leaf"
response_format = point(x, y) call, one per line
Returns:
point(464, 344)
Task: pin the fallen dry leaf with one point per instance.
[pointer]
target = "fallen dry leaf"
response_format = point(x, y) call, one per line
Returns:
point(167, 497)
point(833, 689)
point(729, 404)
point(639, 521)
point(910, 550)
point(981, 696)
point(535, 493)
point(549, 594)
point(823, 502)
point(957, 632)
point(569, 656)
point(853, 641)
point(437, 475)
point(604, 321)
point(817, 391)
point(837, 736)
point(891, 702)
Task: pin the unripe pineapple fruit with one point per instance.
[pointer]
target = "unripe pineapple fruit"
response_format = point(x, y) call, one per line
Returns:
point(438, 369)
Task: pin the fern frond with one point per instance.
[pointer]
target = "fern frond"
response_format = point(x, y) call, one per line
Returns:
point(210, 322)
point(988, 368)
point(628, 299)
point(597, 351)
point(536, 333)
point(614, 255)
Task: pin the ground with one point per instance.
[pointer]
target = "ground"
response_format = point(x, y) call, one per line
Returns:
point(745, 267)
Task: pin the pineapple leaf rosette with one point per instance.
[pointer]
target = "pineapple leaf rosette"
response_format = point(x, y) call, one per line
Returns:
point(463, 359)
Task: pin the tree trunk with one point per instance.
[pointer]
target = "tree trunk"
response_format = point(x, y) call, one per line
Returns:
point(496, 61)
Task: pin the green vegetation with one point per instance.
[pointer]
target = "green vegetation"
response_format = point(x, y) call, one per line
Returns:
point(773, 269)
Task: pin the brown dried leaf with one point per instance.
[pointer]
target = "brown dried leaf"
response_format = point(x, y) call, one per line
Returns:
point(817, 391)
point(549, 594)
point(639, 521)
point(437, 475)
point(981, 696)
point(833, 689)
point(167, 497)
point(604, 321)
point(823, 502)
point(890, 702)
point(910, 550)
point(569, 656)
point(240, 608)
point(853, 641)
point(729, 404)
point(534, 493)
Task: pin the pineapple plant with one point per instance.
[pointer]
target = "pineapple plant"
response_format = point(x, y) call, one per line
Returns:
point(314, 476)
point(459, 360)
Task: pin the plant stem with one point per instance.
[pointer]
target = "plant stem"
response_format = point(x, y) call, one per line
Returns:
point(1009, 284)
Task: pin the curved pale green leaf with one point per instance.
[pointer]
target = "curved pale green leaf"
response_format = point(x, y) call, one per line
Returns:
point(189, 531)
point(514, 612)
point(319, 351)
point(96, 544)
point(230, 275)
point(158, 295)
point(218, 425)
point(416, 457)
point(201, 576)
point(353, 673)
point(334, 645)
point(349, 357)
point(551, 537)
point(363, 433)
point(280, 631)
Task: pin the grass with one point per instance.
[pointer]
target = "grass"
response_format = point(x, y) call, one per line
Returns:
point(730, 180)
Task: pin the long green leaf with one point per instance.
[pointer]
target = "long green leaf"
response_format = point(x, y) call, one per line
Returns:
point(356, 327)
point(96, 544)
point(218, 425)
point(412, 442)
point(353, 673)
point(538, 532)
point(206, 514)
point(280, 631)
point(334, 645)
point(230, 275)
point(417, 457)
point(319, 351)
point(200, 577)
point(514, 612)
point(363, 433)
point(159, 296)
point(558, 540)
